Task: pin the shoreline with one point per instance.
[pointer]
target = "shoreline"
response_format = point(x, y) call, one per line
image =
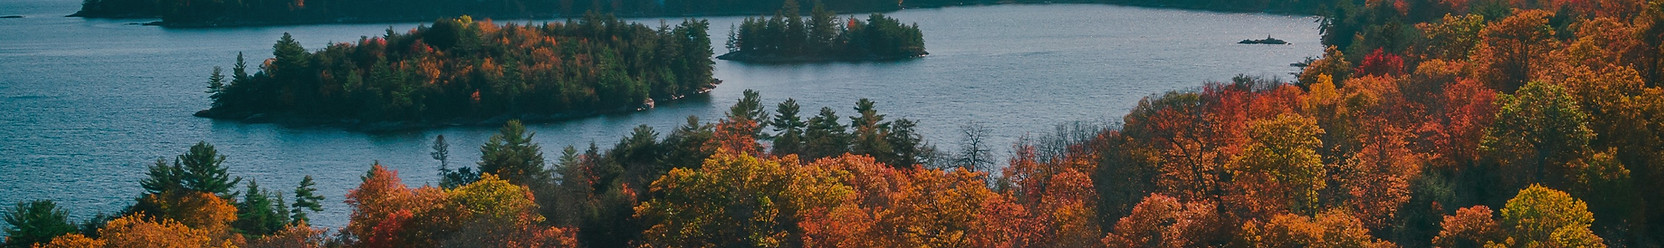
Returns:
point(553, 17)
point(292, 120)
point(751, 57)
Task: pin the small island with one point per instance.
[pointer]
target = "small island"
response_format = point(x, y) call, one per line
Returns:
point(787, 38)
point(465, 72)
point(1267, 41)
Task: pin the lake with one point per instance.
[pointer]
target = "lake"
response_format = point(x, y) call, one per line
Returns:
point(85, 104)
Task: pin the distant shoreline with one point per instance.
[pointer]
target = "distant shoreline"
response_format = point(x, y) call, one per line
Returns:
point(421, 18)
point(754, 57)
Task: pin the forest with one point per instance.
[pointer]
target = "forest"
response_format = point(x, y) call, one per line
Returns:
point(461, 70)
point(1481, 123)
point(217, 13)
point(787, 37)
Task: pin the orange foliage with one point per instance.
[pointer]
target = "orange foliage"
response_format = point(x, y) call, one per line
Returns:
point(1162, 221)
point(139, 231)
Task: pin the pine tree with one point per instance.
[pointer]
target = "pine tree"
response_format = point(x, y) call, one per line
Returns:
point(512, 155)
point(788, 128)
point(204, 171)
point(306, 199)
point(258, 214)
point(35, 222)
point(824, 136)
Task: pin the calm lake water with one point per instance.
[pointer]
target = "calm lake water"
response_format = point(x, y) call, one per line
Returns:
point(85, 105)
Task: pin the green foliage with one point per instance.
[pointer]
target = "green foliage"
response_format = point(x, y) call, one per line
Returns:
point(260, 212)
point(201, 169)
point(306, 200)
point(788, 128)
point(512, 154)
point(35, 222)
point(1540, 135)
point(461, 69)
point(786, 37)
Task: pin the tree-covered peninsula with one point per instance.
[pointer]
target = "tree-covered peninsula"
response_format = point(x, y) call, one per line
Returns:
point(788, 37)
point(463, 71)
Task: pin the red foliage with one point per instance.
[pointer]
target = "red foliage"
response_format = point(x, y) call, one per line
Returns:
point(1381, 63)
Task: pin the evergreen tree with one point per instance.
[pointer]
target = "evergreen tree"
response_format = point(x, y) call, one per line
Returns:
point(35, 222)
point(306, 200)
point(824, 136)
point(869, 132)
point(258, 214)
point(163, 178)
point(788, 128)
point(512, 155)
point(204, 171)
point(906, 145)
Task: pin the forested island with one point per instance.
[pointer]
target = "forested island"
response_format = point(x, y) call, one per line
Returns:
point(461, 71)
point(787, 37)
point(1460, 125)
point(217, 13)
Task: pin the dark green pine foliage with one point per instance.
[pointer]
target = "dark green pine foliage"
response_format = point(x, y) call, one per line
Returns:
point(204, 171)
point(35, 222)
point(260, 213)
point(907, 147)
point(824, 137)
point(869, 132)
point(306, 200)
point(686, 145)
point(788, 128)
point(511, 155)
point(786, 37)
point(201, 169)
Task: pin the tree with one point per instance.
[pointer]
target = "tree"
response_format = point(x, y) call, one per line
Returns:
point(1280, 168)
point(258, 214)
point(974, 154)
point(1471, 227)
point(449, 178)
point(203, 170)
point(824, 136)
point(788, 128)
point(216, 84)
point(733, 200)
point(35, 222)
point(1162, 221)
point(1328, 229)
point(140, 231)
point(512, 155)
point(868, 130)
point(1539, 135)
point(1540, 216)
point(1510, 48)
point(306, 199)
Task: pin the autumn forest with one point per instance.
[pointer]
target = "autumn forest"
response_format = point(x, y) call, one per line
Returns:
point(1425, 123)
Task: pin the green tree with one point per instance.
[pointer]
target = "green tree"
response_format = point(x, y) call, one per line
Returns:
point(788, 128)
point(512, 155)
point(869, 130)
point(824, 136)
point(36, 222)
point(1539, 135)
point(203, 170)
point(258, 214)
point(306, 199)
